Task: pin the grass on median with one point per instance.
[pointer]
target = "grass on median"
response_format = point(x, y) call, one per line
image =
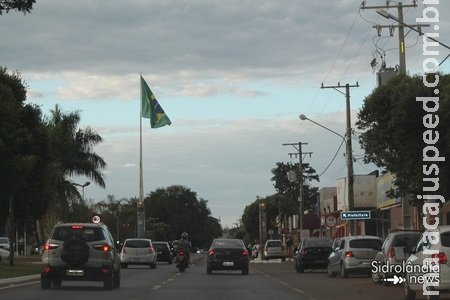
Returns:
point(23, 266)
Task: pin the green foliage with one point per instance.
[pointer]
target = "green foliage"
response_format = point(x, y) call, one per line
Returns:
point(24, 6)
point(179, 207)
point(393, 121)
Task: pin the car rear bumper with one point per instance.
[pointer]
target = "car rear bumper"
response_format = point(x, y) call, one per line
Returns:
point(225, 265)
point(77, 273)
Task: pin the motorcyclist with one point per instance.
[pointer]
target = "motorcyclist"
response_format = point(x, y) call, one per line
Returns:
point(183, 246)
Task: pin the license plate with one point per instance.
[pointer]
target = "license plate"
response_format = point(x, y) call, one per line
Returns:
point(75, 272)
point(228, 264)
point(366, 263)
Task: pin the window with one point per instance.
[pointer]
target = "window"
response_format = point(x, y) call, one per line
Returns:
point(365, 244)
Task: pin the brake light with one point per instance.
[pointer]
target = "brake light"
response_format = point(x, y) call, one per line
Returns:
point(303, 253)
point(124, 249)
point(439, 258)
point(391, 252)
point(245, 253)
point(50, 246)
point(211, 253)
point(46, 269)
point(181, 253)
point(103, 247)
point(150, 249)
point(77, 227)
point(349, 254)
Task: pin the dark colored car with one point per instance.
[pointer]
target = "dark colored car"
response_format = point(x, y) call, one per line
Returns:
point(80, 252)
point(228, 254)
point(163, 251)
point(312, 253)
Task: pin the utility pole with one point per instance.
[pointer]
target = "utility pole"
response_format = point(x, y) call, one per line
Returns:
point(401, 32)
point(298, 147)
point(349, 154)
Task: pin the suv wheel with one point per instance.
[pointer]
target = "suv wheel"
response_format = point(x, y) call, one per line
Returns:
point(375, 278)
point(344, 272)
point(45, 283)
point(409, 295)
point(108, 282)
point(75, 252)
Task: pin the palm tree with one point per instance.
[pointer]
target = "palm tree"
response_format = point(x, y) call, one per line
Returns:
point(72, 155)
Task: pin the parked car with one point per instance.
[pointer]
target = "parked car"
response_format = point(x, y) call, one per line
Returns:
point(4, 242)
point(80, 252)
point(138, 251)
point(433, 248)
point(228, 254)
point(354, 254)
point(274, 249)
point(395, 250)
point(163, 252)
point(4, 254)
point(312, 253)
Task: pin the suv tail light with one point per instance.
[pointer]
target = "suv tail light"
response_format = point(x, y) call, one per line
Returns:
point(102, 247)
point(439, 258)
point(50, 246)
point(303, 253)
point(391, 252)
point(349, 254)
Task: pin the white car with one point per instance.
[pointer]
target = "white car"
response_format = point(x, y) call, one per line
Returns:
point(433, 247)
point(4, 254)
point(137, 251)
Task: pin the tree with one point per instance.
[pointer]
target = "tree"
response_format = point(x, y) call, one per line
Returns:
point(23, 156)
point(24, 6)
point(292, 189)
point(72, 154)
point(393, 121)
point(179, 207)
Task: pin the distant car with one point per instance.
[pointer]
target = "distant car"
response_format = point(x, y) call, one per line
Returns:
point(354, 254)
point(432, 250)
point(80, 252)
point(4, 254)
point(163, 252)
point(4, 242)
point(228, 254)
point(274, 249)
point(313, 253)
point(396, 248)
point(138, 251)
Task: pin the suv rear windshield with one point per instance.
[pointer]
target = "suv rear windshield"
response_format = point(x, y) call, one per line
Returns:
point(65, 233)
point(445, 239)
point(406, 240)
point(274, 244)
point(137, 244)
point(318, 243)
point(367, 243)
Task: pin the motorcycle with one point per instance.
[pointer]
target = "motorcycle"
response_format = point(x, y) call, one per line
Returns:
point(181, 261)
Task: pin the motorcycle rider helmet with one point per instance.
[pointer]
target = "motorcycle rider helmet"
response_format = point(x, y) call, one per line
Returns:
point(184, 235)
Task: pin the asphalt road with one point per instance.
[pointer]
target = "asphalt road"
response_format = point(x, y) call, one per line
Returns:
point(267, 280)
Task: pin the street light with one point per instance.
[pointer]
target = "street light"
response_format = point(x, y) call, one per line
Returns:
point(351, 196)
point(82, 186)
point(385, 14)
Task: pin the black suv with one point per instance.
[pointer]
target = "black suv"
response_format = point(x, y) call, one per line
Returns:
point(80, 252)
point(312, 253)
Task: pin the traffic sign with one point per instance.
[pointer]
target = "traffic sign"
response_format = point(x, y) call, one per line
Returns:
point(355, 215)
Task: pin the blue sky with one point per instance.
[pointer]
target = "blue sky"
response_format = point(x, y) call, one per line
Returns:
point(232, 76)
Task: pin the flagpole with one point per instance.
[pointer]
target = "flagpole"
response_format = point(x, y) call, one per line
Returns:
point(140, 205)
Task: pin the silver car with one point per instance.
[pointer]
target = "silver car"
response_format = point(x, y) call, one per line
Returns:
point(138, 251)
point(353, 254)
point(274, 249)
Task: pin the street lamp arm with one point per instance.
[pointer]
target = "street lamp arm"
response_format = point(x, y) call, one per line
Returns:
point(303, 118)
point(385, 14)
